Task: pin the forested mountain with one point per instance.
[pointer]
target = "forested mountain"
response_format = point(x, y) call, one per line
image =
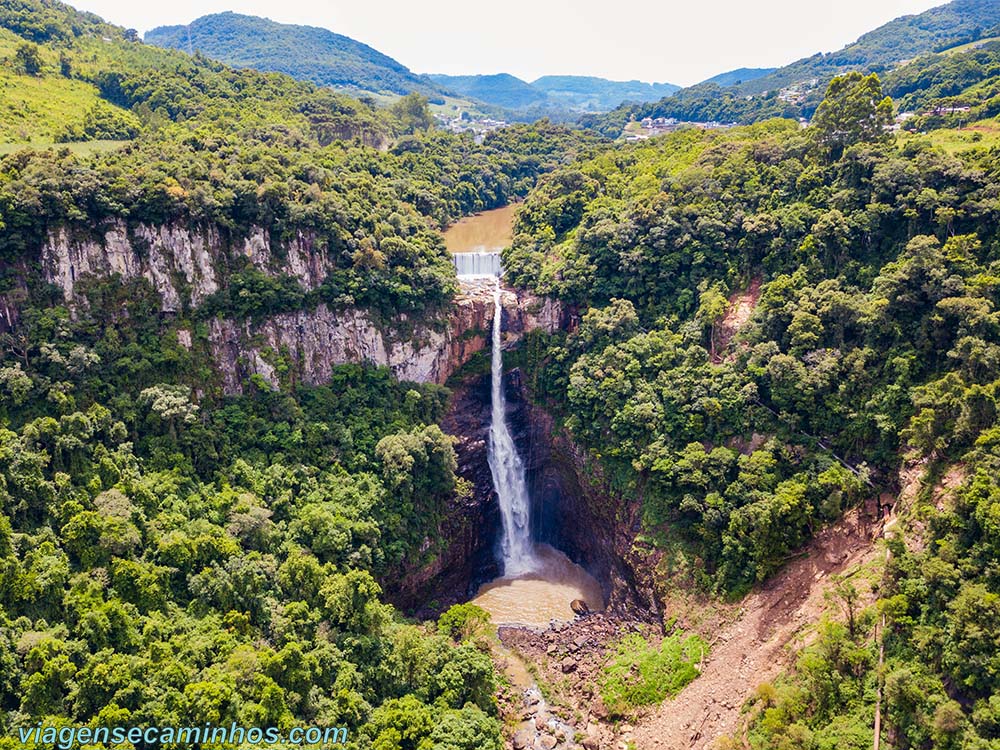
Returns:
point(561, 95)
point(304, 52)
point(500, 89)
point(590, 94)
point(958, 22)
point(873, 342)
point(951, 88)
point(738, 76)
point(329, 59)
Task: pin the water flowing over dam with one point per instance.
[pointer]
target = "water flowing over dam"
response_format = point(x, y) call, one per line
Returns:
point(506, 466)
point(477, 265)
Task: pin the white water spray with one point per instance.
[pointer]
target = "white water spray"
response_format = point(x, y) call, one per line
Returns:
point(507, 468)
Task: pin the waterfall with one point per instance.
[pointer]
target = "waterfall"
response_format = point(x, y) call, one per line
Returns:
point(507, 468)
point(477, 264)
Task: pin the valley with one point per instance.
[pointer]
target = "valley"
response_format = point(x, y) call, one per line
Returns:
point(314, 413)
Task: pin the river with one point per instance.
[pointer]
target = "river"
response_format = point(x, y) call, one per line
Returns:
point(486, 232)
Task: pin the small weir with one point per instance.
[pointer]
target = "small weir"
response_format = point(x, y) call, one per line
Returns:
point(477, 265)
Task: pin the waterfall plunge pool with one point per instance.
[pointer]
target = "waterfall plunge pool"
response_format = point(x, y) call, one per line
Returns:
point(537, 597)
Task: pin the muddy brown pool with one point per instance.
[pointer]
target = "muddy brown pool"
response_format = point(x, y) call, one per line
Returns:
point(543, 595)
point(486, 232)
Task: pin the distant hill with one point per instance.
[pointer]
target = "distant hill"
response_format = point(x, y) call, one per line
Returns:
point(328, 59)
point(553, 93)
point(738, 76)
point(951, 88)
point(500, 90)
point(796, 89)
point(305, 52)
point(599, 94)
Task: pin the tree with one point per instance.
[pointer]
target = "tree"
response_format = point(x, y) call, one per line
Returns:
point(413, 113)
point(171, 403)
point(712, 307)
point(28, 59)
point(853, 111)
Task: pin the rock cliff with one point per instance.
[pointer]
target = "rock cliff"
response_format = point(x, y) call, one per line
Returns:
point(186, 265)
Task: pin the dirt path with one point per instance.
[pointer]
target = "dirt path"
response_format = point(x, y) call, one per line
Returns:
point(752, 648)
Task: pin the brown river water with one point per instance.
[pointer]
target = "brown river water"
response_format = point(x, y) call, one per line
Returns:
point(486, 232)
point(543, 595)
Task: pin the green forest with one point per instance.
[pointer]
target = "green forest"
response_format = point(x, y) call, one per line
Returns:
point(874, 341)
point(173, 553)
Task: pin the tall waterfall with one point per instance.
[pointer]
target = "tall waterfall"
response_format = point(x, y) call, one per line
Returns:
point(507, 468)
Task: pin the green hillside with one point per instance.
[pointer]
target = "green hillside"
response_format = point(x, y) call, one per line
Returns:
point(804, 81)
point(500, 90)
point(39, 106)
point(558, 96)
point(304, 52)
point(948, 81)
point(590, 94)
point(871, 347)
point(738, 76)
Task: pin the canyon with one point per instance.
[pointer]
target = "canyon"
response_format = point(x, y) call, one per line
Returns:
point(572, 509)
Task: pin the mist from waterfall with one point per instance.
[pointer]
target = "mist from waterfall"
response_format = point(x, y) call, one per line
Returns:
point(507, 468)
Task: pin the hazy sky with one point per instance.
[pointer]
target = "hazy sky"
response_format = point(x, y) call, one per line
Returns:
point(680, 41)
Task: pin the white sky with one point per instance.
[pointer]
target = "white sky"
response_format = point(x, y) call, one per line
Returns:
point(680, 41)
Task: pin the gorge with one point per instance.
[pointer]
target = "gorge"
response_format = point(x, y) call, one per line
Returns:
point(315, 414)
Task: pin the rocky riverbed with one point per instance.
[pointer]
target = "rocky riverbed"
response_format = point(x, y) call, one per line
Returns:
point(566, 661)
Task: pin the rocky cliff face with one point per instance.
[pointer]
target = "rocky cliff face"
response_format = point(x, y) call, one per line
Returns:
point(472, 527)
point(576, 511)
point(185, 266)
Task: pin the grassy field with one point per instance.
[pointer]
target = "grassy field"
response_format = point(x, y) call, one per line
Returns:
point(970, 45)
point(982, 134)
point(38, 107)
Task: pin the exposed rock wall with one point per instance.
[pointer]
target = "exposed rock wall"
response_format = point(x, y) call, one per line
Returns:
point(177, 262)
point(186, 265)
point(425, 352)
point(472, 526)
point(575, 510)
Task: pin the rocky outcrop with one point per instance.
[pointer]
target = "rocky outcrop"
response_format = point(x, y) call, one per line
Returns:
point(575, 509)
point(472, 524)
point(317, 340)
point(186, 265)
point(180, 264)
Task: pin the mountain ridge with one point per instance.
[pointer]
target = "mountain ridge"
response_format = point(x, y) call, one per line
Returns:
point(578, 93)
point(326, 58)
point(311, 53)
point(796, 89)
